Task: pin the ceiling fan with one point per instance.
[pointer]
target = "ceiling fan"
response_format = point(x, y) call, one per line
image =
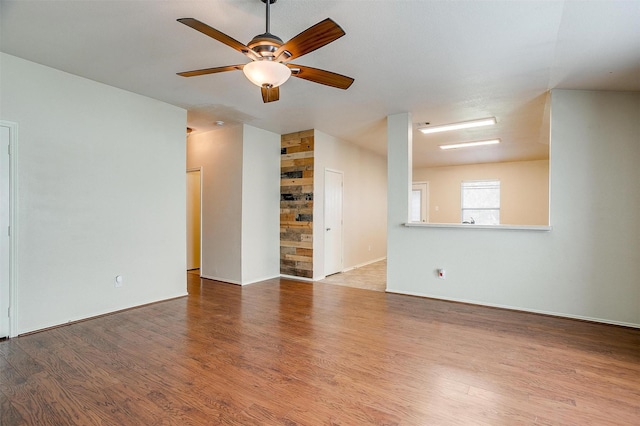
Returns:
point(270, 66)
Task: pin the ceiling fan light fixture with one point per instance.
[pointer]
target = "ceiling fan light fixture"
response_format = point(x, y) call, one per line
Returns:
point(457, 126)
point(266, 73)
point(470, 144)
point(269, 54)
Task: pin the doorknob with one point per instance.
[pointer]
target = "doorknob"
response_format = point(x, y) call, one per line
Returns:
point(328, 229)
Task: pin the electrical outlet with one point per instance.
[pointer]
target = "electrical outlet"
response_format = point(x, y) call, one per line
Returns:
point(442, 274)
point(118, 282)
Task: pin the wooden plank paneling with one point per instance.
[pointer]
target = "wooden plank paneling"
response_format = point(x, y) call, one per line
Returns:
point(296, 182)
point(297, 155)
point(298, 258)
point(298, 135)
point(301, 244)
point(302, 251)
point(295, 224)
point(296, 203)
point(297, 162)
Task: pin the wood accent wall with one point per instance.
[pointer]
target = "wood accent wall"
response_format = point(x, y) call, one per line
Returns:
point(296, 204)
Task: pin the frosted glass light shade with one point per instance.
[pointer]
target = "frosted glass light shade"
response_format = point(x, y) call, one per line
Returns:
point(266, 72)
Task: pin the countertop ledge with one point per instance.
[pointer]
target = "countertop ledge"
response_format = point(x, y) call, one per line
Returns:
point(536, 228)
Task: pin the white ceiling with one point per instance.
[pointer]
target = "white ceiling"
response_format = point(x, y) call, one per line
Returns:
point(442, 61)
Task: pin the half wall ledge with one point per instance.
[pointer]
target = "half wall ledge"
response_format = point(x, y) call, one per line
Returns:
point(535, 228)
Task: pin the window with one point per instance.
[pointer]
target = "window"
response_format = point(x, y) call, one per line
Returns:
point(481, 202)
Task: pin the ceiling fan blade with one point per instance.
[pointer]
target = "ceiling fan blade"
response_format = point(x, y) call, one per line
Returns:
point(321, 76)
point(312, 38)
point(270, 95)
point(210, 70)
point(218, 35)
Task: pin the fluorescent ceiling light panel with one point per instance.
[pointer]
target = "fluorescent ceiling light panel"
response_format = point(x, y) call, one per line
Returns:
point(457, 126)
point(470, 144)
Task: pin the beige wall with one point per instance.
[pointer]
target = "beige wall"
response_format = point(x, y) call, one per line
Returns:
point(524, 187)
point(193, 219)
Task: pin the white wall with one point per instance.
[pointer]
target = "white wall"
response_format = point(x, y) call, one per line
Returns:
point(524, 190)
point(101, 190)
point(219, 153)
point(240, 202)
point(364, 201)
point(260, 205)
point(588, 266)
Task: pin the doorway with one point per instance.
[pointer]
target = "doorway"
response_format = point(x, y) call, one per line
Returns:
point(333, 197)
point(8, 290)
point(420, 202)
point(194, 208)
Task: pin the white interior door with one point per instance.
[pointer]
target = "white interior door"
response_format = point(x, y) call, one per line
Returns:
point(193, 218)
point(333, 192)
point(4, 231)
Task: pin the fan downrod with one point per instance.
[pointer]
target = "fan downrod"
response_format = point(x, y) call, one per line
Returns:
point(267, 43)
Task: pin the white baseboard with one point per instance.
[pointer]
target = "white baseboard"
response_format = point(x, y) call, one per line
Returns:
point(293, 277)
point(224, 280)
point(261, 279)
point(360, 265)
point(516, 308)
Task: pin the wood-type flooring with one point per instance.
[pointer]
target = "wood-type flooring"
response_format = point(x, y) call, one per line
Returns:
point(283, 352)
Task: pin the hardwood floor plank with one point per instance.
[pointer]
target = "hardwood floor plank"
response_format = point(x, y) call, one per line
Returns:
point(21, 361)
point(8, 413)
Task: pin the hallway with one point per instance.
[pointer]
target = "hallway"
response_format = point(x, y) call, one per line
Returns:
point(368, 277)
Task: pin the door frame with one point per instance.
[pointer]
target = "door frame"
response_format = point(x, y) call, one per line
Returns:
point(423, 187)
point(13, 224)
point(324, 213)
point(199, 169)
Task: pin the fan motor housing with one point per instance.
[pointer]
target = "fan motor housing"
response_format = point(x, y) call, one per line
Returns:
point(265, 44)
